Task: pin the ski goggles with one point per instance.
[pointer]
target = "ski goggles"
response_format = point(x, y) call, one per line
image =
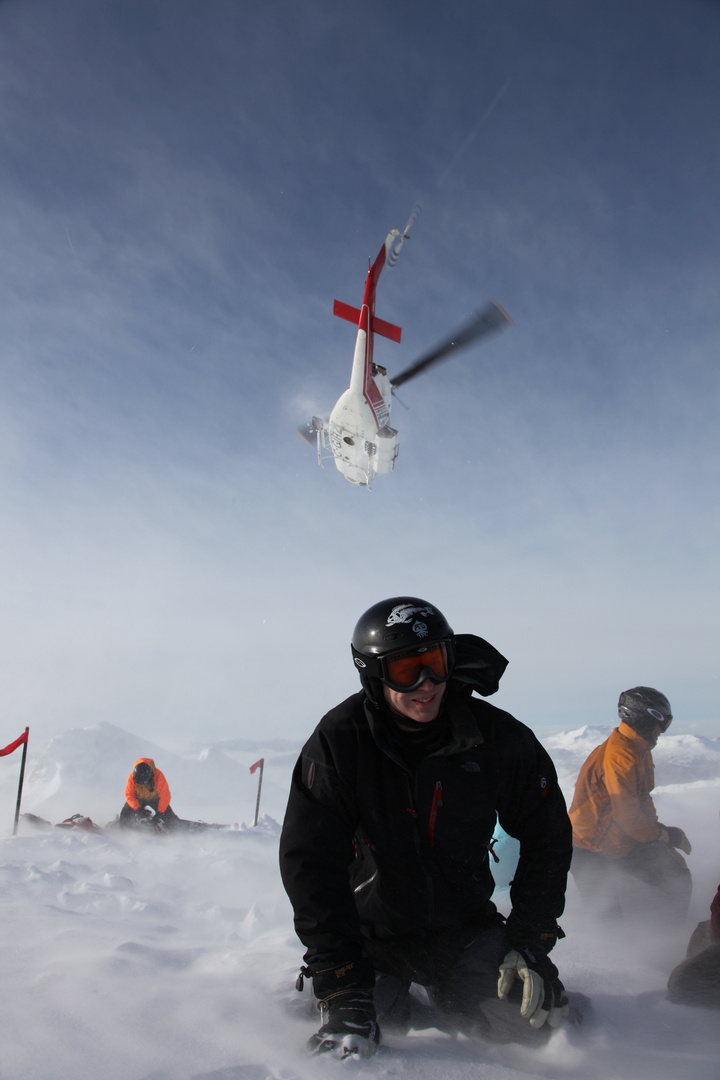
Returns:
point(404, 671)
point(661, 718)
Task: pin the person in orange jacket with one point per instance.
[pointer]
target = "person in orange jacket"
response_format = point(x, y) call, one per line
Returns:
point(147, 787)
point(624, 860)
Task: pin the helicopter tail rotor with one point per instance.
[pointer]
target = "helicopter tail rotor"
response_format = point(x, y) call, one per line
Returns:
point(414, 215)
point(491, 318)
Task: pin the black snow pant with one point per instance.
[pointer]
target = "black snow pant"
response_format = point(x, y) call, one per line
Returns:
point(133, 819)
point(460, 972)
point(696, 980)
point(651, 882)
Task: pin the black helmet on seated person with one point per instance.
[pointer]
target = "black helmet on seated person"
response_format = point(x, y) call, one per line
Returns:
point(142, 773)
point(642, 708)
point(392, 640)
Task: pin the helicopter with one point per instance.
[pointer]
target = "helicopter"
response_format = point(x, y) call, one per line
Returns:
point(357, 433)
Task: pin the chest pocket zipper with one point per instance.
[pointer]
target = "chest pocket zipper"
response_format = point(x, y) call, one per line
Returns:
point(436, 804)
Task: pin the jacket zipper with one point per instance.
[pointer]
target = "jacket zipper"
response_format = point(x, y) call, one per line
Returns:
point(436, 804)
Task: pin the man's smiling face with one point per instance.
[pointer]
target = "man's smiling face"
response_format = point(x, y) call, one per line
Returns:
point(420, 705)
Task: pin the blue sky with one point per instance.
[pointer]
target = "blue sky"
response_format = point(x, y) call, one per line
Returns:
point(186, 188)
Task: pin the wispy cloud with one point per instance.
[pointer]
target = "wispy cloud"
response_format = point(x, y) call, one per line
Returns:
point(184, 195)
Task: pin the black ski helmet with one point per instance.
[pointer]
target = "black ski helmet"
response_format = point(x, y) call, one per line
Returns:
point(642, 708)
point(392, 626)
point(142, 773)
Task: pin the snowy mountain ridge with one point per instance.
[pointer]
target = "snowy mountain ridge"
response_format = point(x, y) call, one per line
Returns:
point(85, 770)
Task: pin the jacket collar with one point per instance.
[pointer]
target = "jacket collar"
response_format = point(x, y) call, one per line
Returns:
point(634, 736)
point(462, 729)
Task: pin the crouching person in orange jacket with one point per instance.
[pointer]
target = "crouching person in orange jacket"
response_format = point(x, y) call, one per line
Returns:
point(625, 862)
point(147, 787)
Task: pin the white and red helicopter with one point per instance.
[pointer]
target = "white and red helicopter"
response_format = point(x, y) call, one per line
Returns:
point(357, 433)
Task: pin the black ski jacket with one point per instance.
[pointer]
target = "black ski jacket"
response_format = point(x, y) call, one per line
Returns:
point(373, 848)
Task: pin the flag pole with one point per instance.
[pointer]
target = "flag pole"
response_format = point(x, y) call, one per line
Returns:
point(257, 803)
point(22, 779)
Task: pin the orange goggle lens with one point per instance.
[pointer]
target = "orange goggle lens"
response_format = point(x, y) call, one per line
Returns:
point(404, 671)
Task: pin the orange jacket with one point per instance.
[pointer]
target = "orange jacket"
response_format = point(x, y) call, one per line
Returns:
point(612, 810)
point(137, 795)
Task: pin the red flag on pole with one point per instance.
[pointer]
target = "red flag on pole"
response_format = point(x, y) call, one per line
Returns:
point(261, 766)
point(18, 742)
point(22, 740)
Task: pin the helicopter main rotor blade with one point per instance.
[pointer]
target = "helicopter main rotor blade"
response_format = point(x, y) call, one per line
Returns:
point(491, 318)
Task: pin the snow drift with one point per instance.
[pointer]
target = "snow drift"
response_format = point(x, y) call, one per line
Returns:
point(135, 958)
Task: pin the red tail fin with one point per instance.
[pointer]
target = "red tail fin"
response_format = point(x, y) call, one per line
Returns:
point(380, 326)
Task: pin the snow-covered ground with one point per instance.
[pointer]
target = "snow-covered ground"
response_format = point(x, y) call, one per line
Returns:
point(133, 958)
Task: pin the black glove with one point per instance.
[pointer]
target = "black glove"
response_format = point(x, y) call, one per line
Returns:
point(544, 998)
point(349, 1026)
point(529, 938)
point(677, 838)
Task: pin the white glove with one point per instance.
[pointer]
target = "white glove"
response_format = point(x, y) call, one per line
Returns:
point(543, 998)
